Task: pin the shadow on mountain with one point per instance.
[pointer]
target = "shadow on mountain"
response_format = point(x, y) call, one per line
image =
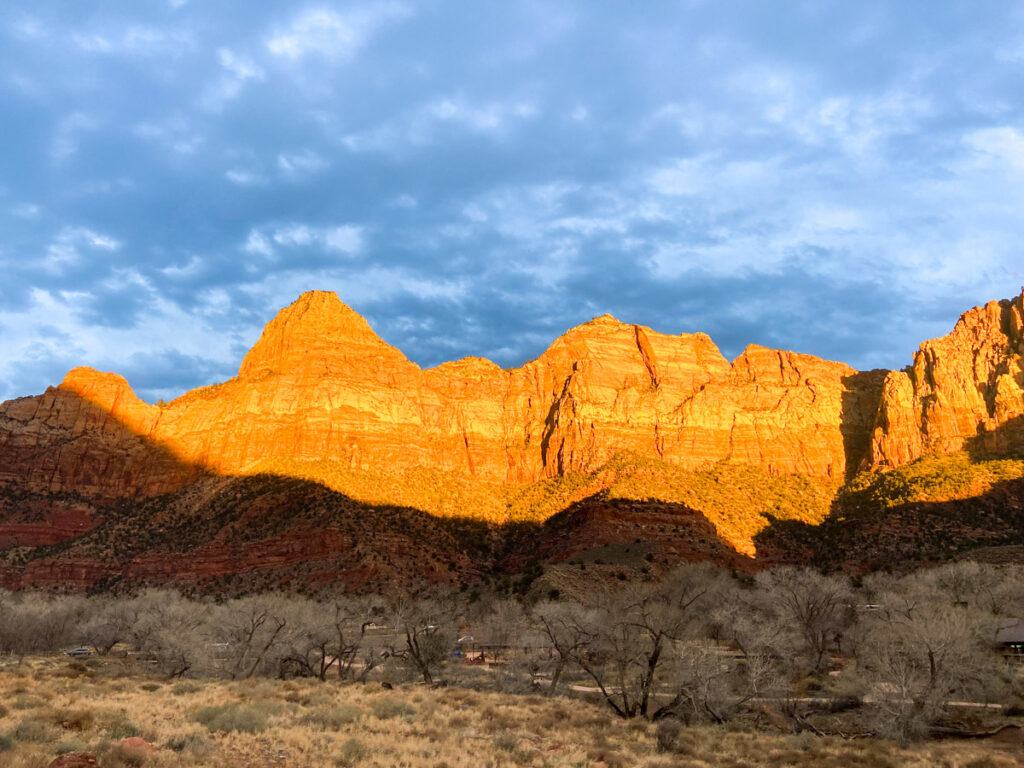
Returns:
point(861, 395)
point(607, 531)
point(144, 516)
point(869, 527)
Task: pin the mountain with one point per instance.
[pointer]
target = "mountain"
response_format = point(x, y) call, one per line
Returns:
point(96, 484)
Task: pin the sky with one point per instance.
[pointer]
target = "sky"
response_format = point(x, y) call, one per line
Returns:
point(836, 178)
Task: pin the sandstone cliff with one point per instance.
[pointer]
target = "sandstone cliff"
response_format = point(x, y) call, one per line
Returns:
point(320, 384)
point(964, 390)
point(322, 397)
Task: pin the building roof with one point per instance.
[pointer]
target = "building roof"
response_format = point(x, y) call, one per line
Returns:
point(1012, 632)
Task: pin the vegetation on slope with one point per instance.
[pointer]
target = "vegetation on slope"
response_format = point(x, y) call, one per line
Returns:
point(930, 478)
point(738, 499)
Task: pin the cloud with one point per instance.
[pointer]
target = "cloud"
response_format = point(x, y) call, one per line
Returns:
point(236, 71)
point(475, 178)
point(66, 247)
point(26, 211)
point(1002, 145)
point(133, 39)
point(346, 239)
point(300, 163)
point(244, 178)
point(433, 121)
point(67, 135)
point(326, 33)
point(174, 133)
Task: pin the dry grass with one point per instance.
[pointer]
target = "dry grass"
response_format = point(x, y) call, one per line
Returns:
point(304, 724)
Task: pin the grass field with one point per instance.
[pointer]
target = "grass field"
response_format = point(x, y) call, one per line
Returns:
point(53, 706)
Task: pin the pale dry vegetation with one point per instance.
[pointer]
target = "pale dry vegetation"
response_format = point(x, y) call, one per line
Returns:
point(61, 706)
point(788, 665)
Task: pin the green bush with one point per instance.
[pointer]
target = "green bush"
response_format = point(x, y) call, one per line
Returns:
point(186, 687)
point(385, 709)
point(233, 717)
point(121, 727)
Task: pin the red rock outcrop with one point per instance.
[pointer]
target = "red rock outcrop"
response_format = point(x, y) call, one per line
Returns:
point(964, 390)
point(321, 396)
point(321, 385)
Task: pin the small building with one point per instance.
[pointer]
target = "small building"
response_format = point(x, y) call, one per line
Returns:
point(1011, 639)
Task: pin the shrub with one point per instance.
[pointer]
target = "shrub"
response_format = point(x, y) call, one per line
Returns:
point(74, 719)
point(385, 709)
point(507, 742)
point(69, 745)
point(191, 743)
point(36, 730)
point(150, 687)
point(332, 718)
point(6, 742)
point(27, 701)
point(186, 687)
point(120, 756)
point(352, 753)
point(233, 717)
point(120, 727)
point(667, 735)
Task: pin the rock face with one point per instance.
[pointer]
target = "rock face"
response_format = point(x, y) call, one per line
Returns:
point(964, 390)
point(321, 397)
point(320, 385)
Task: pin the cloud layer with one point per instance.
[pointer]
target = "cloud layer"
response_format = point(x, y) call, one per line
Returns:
point(836, 178)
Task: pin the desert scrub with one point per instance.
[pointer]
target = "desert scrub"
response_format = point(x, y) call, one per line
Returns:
point(234, 717)
point(117, 726)
point(332, 718)
point(352, 753)
point(185, 687)
point(385, 709)
point(35, 730)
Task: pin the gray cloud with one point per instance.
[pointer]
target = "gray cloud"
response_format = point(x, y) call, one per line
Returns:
point(840, 179)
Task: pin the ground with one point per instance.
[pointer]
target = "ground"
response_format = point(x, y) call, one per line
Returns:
point(54, 705)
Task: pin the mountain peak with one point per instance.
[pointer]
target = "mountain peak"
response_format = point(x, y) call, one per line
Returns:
point(315, 328)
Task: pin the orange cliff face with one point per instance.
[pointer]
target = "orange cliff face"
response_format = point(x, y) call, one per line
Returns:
point(320, 386)
point(322, 396)
point(964, 390)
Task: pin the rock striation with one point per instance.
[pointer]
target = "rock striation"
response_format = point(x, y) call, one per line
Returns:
point(319, 385)
point(321, 397)
point(964, 391)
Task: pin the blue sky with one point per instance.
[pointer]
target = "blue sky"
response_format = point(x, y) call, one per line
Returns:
point(838, 178)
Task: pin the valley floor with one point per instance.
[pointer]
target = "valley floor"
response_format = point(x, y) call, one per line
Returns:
point(51, 705)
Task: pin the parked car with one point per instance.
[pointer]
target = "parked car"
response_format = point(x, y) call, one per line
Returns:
point(78, 652)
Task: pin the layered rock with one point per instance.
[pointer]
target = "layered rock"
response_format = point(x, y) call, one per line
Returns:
point(964, 390)
point(320, 386)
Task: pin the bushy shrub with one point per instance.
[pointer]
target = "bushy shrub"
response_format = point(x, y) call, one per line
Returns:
point(120, 727)
point(191, 743)
point(385, 709)
point(69, 745)
point(233, 717)
point(74, 719)
point(332, 718)
point(352, 753)
point(36, 730)
point(185, 687)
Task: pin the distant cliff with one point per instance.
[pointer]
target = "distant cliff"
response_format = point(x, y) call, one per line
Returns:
point(321, 397)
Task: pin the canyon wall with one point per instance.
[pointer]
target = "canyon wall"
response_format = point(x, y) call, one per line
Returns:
point(320, 388)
